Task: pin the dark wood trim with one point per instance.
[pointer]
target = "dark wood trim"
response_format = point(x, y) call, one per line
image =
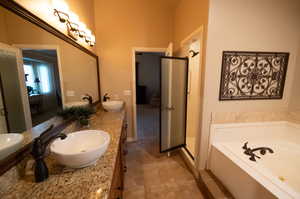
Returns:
point(29, 16)
point(98, 78)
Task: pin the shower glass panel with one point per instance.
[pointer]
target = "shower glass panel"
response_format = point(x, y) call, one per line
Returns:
point(173, 103)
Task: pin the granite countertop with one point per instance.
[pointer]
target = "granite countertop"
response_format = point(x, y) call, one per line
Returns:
point(90, 182)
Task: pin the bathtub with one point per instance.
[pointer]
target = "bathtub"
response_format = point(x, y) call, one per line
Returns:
point(275, 175)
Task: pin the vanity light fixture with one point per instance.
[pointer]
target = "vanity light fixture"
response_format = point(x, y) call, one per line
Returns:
point(63, 17)
point(93, 40)
point(72, 25)
point(75, 28)
point(61, 10)
point(81, 31)
point(73, 22)
point(88, 36)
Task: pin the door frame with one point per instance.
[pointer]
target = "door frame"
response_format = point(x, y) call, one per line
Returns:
point(133, 71)
point(186, 98)
point(197, 34)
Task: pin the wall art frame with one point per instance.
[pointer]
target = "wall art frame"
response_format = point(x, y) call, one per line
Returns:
point(248, 75)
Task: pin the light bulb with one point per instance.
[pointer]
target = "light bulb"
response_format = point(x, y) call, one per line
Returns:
point(74, 17)
point(88, 32)
point(93, 39)
point(82, 26)
point(60, 5)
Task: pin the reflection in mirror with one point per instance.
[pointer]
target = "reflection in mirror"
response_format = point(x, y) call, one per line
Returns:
point(12, 111)
point(39, 75)
point(42, 83)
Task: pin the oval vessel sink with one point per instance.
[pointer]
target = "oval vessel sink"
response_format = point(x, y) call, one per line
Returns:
point(9, 143)
point(81, 148)
point(113, 105)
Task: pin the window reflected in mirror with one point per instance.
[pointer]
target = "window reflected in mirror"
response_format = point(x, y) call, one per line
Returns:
point(43, 84)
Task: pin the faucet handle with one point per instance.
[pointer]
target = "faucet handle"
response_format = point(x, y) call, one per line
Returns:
point(245, 146)
point(44, 133)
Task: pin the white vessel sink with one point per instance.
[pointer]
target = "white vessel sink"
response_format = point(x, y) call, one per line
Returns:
point(113, 105)
point(81, 148)
point(9, 143)
point(76, 104)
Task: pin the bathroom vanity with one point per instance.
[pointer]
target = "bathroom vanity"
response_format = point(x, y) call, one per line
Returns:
point(102, 180)
point(50, 73)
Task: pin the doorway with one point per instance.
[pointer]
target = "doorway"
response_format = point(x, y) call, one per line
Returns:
point(160, 99)
point(147, 75)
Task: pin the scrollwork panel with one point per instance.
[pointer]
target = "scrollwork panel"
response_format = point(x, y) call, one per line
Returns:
point(253, 75)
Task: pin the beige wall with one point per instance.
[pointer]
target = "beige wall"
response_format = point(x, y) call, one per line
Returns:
point(79, 69)
point(122, 25)
point(43, 9)
point(249, 25)
point(189, 15)
point(3, 35)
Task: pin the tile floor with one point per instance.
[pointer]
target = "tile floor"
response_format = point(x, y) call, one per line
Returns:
point(151, 174)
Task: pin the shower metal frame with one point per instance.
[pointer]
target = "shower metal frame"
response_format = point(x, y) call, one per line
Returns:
point(186, 98)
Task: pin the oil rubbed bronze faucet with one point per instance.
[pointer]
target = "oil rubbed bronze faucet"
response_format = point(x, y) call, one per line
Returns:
point(105, 97)
point(39, 147)
point(88, 98)
point(250, 152)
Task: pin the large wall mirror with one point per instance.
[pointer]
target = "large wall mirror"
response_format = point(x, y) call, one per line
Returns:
point(40, 74)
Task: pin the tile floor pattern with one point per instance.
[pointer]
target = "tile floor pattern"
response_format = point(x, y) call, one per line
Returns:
point(151, 174)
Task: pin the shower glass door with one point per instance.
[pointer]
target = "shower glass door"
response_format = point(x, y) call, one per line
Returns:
point(173, 79)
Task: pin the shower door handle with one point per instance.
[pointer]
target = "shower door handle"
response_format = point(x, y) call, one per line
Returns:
point(172, 108)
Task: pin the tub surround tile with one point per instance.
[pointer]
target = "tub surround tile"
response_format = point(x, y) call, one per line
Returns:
point(90, 182)
point(294, 116)
point(244, 117)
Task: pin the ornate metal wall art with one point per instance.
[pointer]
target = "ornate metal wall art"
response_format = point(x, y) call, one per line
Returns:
point(253, 75)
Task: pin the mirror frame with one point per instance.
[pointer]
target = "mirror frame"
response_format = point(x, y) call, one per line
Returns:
point(19, 10)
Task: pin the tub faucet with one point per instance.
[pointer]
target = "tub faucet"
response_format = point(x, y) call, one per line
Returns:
point(105, 97)
point(89, 98)
point(250, 152)
point(38, 151)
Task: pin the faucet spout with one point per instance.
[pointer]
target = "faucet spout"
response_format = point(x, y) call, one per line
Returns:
point(250, 152)
point(39, 147)
point(105, 97)
point(263, 150)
